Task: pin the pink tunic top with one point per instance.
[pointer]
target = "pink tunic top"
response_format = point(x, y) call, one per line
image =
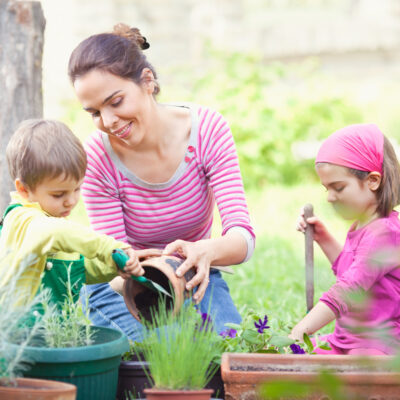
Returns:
point(151, 215)
point(366, 296)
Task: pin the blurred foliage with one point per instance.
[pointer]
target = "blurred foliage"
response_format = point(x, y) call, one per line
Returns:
point(266, 116)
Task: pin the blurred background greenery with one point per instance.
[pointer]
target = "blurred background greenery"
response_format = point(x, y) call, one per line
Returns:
point(280, 105)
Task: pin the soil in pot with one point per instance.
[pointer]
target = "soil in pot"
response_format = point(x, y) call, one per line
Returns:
point(148, 299)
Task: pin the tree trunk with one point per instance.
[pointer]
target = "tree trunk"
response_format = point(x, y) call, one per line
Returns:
point(21, 47)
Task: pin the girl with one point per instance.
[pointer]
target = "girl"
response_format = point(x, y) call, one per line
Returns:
point(358, 167)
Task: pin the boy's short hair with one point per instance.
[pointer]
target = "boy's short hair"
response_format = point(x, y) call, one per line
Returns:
point(41, 149)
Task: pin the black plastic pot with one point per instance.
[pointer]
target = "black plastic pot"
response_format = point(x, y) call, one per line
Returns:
point(132, 377)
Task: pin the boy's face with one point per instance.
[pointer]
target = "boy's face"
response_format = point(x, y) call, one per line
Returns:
point(57, 196)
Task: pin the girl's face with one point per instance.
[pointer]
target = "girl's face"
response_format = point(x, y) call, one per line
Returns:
point(119, 107)
point(352, 198)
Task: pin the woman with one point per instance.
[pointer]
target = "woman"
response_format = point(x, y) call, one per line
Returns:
point(154, 174)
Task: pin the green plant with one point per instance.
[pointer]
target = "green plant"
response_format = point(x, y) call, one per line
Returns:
point(68, 326)
point(19, 323)
point(257, 334)
point(270, 107)
point(179, 349)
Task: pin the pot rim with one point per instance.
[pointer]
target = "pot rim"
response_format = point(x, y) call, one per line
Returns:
point(173, 391)
point(117, 345)
point(46, 385)
point(367, 377)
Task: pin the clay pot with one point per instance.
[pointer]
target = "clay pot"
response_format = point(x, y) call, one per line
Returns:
point(139, 299)
point(134, 374)
point(38, 389)
point(158, 394)
point(366, 378)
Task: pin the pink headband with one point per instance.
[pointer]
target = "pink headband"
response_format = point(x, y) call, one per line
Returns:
point(357, 146)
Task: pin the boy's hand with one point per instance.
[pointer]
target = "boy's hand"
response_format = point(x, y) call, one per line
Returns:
point(321, 234)
point(132, 266)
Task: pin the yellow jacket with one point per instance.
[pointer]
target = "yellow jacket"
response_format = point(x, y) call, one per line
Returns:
point(30, 235)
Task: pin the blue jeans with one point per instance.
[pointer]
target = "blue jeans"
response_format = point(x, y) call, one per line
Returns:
point(107, 308)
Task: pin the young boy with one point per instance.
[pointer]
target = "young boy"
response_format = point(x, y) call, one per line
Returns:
point(48, 163)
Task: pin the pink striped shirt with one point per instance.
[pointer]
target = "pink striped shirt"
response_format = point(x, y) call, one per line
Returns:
point(151, 215)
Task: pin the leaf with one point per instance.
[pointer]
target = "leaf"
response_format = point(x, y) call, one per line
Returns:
point(308, 343)
point(281, 341)
point(268, 351)
point(233, 326)
point(251, 336)
point(324, 347)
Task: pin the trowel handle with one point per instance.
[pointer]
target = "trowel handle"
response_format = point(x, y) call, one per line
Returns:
point(120, 258)
point(309, 232)
point(309, 259)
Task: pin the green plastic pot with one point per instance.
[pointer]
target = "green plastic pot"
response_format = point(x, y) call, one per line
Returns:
point(93, 369)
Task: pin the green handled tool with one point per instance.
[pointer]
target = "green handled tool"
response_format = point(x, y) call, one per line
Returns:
point(120, 258)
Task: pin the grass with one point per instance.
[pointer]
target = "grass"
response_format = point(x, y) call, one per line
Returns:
point(187, 352)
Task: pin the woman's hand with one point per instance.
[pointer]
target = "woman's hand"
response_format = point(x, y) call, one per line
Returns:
point(199, 256)
point(132, 266)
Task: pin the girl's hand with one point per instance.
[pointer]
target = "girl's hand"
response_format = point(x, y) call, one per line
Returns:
point(321, 234)
point(297, 334)
point(132, 266)
point(197, 256)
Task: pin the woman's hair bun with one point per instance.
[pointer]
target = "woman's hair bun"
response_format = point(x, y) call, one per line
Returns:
point(132, 34)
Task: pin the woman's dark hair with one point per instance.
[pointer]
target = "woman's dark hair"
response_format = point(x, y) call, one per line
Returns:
point(388, 194)
point(119, 53)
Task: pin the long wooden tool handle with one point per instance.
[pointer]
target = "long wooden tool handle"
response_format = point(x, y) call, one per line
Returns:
point(309, 249)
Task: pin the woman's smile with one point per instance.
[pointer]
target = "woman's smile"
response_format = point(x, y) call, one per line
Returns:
point(123, 132)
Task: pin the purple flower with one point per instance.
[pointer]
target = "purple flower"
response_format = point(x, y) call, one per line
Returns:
point(206, 321)
point(296, 349)
point(229, 333)
point(262, 324)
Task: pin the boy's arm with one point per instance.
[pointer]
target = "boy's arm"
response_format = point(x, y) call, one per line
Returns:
point(58, 234)
point(98, 272)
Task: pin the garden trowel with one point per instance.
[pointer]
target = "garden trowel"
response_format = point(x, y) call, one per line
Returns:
point(120, 258)
point(309, 250)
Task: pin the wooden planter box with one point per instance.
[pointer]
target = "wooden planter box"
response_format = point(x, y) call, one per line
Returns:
point(367, 378)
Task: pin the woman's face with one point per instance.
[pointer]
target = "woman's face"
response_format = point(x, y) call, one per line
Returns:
point(351, 197)
point(118, 106)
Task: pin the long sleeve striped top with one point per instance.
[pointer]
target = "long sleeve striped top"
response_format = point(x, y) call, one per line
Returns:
point(151, 215)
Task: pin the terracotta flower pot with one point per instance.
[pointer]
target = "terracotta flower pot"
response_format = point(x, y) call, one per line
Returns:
point(38, 389)
point(133, 376)
point(158, 394)
point(367, 377)
point(139, 299)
